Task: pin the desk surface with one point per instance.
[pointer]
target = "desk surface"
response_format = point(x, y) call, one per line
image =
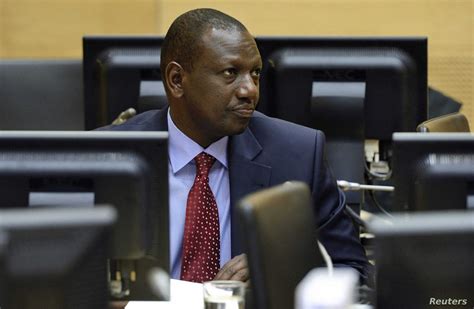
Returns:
point(184, 294)
point(187, 295)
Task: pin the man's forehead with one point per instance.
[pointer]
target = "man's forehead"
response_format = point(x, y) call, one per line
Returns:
point(229, 43)
point(227, 36)
point(238, 60)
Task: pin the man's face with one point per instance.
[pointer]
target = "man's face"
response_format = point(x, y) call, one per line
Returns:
point(221, 90)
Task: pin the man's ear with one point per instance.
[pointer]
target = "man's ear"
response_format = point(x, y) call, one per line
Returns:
point(174, 79)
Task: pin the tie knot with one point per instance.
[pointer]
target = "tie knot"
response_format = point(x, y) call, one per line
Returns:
point(204, 163)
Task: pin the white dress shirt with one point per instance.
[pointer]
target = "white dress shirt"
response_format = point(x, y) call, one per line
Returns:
point(182, 171)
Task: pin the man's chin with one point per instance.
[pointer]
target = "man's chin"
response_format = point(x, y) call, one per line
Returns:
point(240, 128)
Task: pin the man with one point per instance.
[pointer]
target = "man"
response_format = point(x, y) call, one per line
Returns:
point(211, 67)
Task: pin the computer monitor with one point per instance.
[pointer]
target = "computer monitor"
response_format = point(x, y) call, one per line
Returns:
point(126, 169)
point(267, 217)
point(41, 94)
point(55, 258)
point(3, 250)
point(120, 72)
point(433, 171)
point(424, 260)
point(354, 89)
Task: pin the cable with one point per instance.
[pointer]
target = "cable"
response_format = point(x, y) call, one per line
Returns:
point(377, 204)
point(355, 216)
point(327, 259)
point(369, 178)
point(377, 175)
point(341, 207)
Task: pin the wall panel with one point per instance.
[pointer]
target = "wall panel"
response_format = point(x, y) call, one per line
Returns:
point(54, 28)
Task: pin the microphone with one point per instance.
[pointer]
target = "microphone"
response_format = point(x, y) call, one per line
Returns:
point(124, 116)
point(354, 186)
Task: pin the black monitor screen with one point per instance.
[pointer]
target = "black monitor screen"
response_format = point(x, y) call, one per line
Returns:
point(120, 72)
point(126, 169)
point(424, 260)
point(433, 171)
point(55, 258)
point(353, 89)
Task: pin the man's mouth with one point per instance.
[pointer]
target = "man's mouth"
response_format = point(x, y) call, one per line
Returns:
point(244, 112)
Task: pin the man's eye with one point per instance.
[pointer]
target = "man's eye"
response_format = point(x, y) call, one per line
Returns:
point(257, 72)
point(230, 72)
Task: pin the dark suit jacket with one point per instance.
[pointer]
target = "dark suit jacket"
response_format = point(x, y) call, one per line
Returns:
point(269, 152)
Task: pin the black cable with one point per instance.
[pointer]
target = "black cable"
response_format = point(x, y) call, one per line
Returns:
point(377, 204)
point(354, 216)
point(377, 175)
point(369, 175)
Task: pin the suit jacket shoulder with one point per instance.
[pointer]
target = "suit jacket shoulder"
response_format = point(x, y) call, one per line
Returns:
point(153, 120)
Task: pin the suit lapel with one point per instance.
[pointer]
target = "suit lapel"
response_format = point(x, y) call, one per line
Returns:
point(246, 175)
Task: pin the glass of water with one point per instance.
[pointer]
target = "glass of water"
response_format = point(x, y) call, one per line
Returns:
point(224, 294)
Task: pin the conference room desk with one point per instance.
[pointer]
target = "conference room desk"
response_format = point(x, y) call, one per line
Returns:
point(188, 295)
point(183, 295)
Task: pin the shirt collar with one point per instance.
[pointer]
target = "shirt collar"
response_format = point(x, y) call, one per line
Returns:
point(182, 149)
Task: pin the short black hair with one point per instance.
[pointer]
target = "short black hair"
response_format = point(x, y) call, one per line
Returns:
point(182, 41)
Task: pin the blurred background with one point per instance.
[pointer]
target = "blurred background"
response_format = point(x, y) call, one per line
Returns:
point(53, 29)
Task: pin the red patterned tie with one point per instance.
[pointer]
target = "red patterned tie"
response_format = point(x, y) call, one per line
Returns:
point(201, 244)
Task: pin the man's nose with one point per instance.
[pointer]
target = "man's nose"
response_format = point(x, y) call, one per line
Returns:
point(248, 87)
